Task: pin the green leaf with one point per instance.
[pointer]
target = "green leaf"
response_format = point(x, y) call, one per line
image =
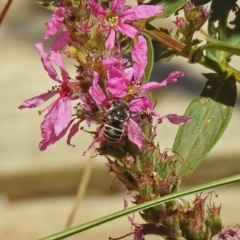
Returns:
point(210, 113)
point(150, 59)
point(170, 6)
point(161, 52)
point(53, 5)
point(220, 14)
point(140, 207)
point(200, 2)
point(231, 47)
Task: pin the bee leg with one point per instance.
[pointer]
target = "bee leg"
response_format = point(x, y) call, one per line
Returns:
point(91, 132)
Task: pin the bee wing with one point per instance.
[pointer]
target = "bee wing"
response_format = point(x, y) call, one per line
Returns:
point(135, 133)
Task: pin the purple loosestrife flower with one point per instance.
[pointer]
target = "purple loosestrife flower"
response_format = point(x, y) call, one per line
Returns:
point(132, 129)
point(53, 26)
point(128, 82)
point(55, 23)
point(120, 17)
point(125, 84)
point(228, 234)
point(122, 82)
point(59, 113)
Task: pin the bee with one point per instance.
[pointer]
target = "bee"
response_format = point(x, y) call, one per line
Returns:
point(116, 119)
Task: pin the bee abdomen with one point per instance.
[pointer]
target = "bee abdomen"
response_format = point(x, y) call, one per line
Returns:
point(112, 134)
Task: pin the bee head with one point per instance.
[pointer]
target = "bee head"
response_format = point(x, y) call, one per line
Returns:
point(119, 112)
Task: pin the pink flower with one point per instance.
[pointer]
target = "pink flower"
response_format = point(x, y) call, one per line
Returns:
point(228, 234)
point(59, 114)
point(61, 41)
point(122, 82)
point(133, 131)
point(97, 93)
point(120, 17)
point(128, 81)
point(55, 23)
point(53, 26)
point(175, 119)
point(172, 118)
point(180, 22)
point(56, 122)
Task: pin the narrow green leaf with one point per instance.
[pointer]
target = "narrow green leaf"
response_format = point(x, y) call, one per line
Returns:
point(53, 5)
point(210, 113)
point(150, 59)
point(140, 207)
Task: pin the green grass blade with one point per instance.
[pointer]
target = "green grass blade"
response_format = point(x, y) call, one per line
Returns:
point(141, 207)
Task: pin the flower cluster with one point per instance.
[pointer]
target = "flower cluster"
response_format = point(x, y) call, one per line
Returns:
point(195, 17)
point(111, 91)
point(92, 34)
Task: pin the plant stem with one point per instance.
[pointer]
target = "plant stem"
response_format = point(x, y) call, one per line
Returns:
point(183, 51)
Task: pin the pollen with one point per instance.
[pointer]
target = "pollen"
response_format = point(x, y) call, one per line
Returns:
point(133, 89)
point(112, 19)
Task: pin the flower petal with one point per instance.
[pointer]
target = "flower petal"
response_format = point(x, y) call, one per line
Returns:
point(151, 85)
point(55, 23)
point(47, 64)
point(117, 87)
point(142, 103)
point(117, 4)
point(114, 67)
point(175, 119)
point(141, 11)
point(51, 128)
point(61, 113)
point(58, 60)
point(139, 56)
point(127, 30)
point(62, 40)
point(109, 44)
point(135, 133)
point(228, 233)
point(49, 137)
point(73, 130)
point(97, 93)
point(97, 9)
point(172, 78)
point(36, 101)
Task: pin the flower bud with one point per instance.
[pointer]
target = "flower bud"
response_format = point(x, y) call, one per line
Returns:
point(196, 16)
